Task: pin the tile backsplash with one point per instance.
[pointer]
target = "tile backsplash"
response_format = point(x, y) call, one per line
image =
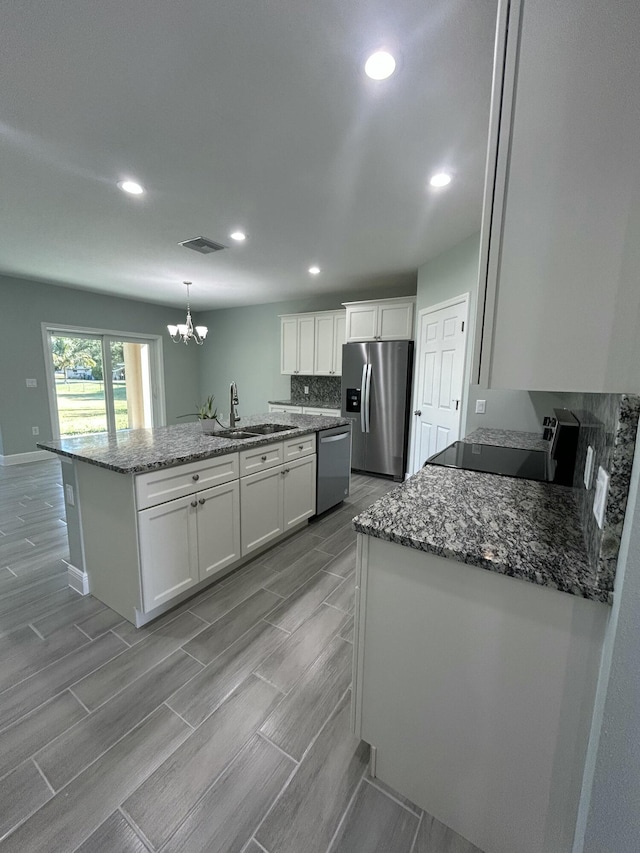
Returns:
point(608, 423)
point(324, 391)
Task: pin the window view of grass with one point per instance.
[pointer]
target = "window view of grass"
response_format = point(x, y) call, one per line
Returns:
point(81, 406)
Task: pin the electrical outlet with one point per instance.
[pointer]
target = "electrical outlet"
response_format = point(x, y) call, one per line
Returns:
point(306, 389)
point(35, 430)
point(68, 494)
point(600, 498)
point(31, 383)
point(481, 407)
point(588, 468)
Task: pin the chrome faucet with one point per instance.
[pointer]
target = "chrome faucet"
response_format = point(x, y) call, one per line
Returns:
point(233, 402)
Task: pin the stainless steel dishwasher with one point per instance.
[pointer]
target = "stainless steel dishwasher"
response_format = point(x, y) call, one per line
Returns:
point(334, 467)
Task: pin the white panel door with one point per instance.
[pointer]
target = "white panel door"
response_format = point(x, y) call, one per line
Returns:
point(323, 361)
point(218, 528)
point(299, 491)
point(261, 508)
point(439, 380)
point(168, 550)
point(306, 344)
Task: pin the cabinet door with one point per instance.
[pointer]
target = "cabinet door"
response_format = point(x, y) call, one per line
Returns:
point(261, 508)
point(339, 338)
point(218, 528)
point(362, 322)
point(168, 550)
point(559, 248)
point(299, 491)
point(395, 322)
point(324, 345)
point(306, 344)
point(289, 345)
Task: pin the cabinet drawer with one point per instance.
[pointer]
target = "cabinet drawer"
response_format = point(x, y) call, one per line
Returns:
point(330, 413)
point(260, 458)
point(156, 487)
point(302, 446)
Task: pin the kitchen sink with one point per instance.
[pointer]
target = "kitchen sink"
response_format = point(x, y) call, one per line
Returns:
point(268, 429)
point(233, 433)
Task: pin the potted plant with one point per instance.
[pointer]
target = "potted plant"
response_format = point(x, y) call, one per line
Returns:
point(207, 414)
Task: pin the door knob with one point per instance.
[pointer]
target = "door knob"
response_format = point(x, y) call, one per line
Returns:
point(417, 412)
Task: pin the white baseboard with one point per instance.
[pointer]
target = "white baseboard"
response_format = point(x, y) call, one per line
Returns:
point(21, 458)
point(78, 580)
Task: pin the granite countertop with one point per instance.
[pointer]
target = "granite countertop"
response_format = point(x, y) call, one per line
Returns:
point(507, 438)
point(311, 403)
point(137, 450)
point(521, 528)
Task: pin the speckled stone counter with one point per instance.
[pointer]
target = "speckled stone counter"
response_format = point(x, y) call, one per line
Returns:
point(135, 451)
point(519, 528)
point(507, 438)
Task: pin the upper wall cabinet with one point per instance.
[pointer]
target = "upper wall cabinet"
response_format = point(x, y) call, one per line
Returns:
point(311, 344)
point(559, 286)
point(384, 320)
point(297, 343)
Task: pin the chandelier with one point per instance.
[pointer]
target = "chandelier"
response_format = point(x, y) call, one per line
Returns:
point(186, 332)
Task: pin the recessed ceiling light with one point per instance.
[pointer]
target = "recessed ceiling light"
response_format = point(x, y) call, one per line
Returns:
point(440, 179)
point(131, 187)
point(239, 236)
point(380, 65)
point(314, 270)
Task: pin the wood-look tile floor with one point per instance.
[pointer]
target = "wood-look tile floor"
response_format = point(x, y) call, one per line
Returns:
point(222, 726)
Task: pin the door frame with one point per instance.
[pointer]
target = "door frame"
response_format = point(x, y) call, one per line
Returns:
point(464, 299)
point(156, 362)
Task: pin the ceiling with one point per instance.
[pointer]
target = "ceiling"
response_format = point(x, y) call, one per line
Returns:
point(251, 114)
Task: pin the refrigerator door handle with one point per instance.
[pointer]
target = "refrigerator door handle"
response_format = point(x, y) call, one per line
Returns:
point(363, 398)
point(367, 404)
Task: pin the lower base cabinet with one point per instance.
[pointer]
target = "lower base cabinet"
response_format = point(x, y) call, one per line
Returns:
point(187, 540)
point(275, 501)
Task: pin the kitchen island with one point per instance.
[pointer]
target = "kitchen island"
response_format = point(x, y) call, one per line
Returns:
point(478, 635)
point(156, 515)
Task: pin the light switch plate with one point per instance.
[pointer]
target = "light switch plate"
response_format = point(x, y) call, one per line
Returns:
point(31, 383)
point(481, 407)
point(588, 468)
point(68, 495)
point(600, 499)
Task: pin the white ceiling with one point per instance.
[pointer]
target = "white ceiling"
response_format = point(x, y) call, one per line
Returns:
point(238, 113)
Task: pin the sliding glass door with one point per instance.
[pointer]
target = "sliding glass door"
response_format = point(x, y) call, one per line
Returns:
point(103, 382)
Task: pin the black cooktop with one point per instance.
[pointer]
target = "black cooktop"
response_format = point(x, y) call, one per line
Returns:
point(506, 461)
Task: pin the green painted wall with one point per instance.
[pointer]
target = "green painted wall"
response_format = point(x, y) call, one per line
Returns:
point(25, 304)
point(244, 346)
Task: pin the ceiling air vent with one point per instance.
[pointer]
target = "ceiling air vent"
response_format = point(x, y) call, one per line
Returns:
point(202, 245)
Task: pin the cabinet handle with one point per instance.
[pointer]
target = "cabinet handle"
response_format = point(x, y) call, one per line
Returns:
point(196, 477)
point(286, 470)
point(194, 503)
point(264, 458)
point(201, 501)
point(282, 473)
point(301, 447)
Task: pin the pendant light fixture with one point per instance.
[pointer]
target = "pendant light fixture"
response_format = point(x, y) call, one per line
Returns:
point(186, 332)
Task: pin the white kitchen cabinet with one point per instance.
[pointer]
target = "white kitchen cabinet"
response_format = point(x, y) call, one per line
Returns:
point(312, 410)
point(294, 410)
point(559, 251)
point(384, 320)
point(329, 338)
point(299, 491)
point(297, 343)
point(187, 540)
point(163, 485)
point(261, 508)
point(218, 529)
point(168, 535)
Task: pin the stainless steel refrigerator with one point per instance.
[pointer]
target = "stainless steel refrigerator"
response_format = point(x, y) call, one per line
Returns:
point(376, 396)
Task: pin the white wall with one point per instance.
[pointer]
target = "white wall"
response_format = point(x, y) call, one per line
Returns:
point(609, 818)
point(450, 274)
